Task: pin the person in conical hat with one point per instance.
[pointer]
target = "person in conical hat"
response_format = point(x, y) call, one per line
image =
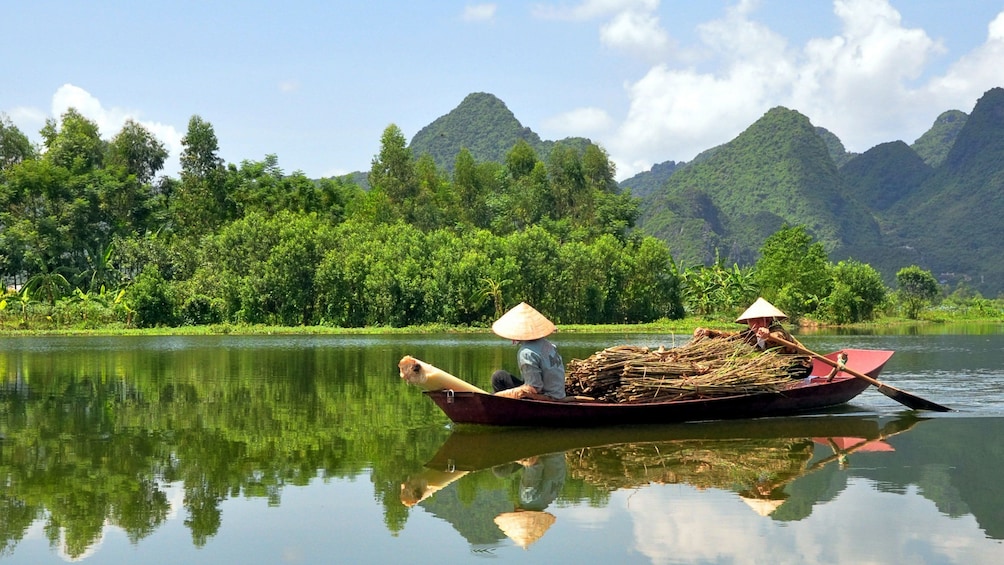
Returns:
point(761, 309)
point(542, 371)
point(764, 320)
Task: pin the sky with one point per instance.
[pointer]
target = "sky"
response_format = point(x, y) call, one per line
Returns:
point(317, 83)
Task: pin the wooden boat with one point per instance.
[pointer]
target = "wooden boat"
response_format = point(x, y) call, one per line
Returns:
point(814, 393)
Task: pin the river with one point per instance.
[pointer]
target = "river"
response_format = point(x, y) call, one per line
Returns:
point(310, 449)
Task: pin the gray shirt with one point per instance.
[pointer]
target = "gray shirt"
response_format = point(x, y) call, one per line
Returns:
point(541, 367)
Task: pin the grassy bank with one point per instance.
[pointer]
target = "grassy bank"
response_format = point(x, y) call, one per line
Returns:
point(685, 325)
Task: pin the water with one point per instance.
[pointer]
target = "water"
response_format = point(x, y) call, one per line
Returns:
point(278, 449)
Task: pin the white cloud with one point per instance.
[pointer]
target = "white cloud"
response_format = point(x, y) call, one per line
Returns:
point(592, 9)
point(635, 31)
point(976, 72)
point(111, 120)
point(859, 83)
point(28, 120)
point(677, 113)
point(581, 122)
point(632, 25)
point(867, 84)
point(479, 12)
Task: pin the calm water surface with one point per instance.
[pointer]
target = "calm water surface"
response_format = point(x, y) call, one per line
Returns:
point(311, 450)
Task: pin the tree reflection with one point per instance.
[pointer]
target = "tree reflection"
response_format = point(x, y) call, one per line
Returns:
point(83, 448)
point(91, 441)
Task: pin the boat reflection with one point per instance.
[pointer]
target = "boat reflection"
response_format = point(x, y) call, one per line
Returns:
point(502, 481)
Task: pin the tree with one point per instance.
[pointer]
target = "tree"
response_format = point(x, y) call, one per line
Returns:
point(14, 145)
point(75, 145)
point(393, 170)
point(137, 150)
point(199, 204)
point(473, 184)
point(521, 159)
point(857, 292)
point(572, 197)
point(793, 272)
point(917, 288)
point(151, 297)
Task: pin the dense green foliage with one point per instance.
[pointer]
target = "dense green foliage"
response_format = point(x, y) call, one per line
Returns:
point(651, 181)
point(89, 234)
point(953, 219)
point(932, 204)
point(793, 272)
point(934, 145)
point(777, 171)
point(858, 293)
point(884, 175)
point(835, 147)
point(917, 288)
point(483, 126)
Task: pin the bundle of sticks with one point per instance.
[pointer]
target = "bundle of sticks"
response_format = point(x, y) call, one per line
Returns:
point(703, 367)
point(728, 464)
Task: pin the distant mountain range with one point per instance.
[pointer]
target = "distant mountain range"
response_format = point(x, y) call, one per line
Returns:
point(937, 203)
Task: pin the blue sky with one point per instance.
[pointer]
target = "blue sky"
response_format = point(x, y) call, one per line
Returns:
point(316, 83)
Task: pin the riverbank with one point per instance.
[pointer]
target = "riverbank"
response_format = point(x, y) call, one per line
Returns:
point(682, 326)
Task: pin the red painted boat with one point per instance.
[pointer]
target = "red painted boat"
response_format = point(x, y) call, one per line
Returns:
point(815, 393)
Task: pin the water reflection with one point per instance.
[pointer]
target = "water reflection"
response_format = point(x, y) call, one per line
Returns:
point(509, 477)
point(130, 449)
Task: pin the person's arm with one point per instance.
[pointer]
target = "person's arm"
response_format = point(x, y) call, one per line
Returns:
point(708, 332)
point(533, 380)
point(778, 331)
point(522, 391)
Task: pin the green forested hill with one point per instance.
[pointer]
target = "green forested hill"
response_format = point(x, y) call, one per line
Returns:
point(934, 145)
point(483, 125)
point(934, 203)
point(838, 152)
point(652, 180)
point(777, 171)
point(884, 175)
point(956, 218)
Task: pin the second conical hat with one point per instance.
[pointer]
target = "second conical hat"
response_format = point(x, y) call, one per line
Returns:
point(523, 323)
point(762, 506)
point(524, 526)
point(761, 309)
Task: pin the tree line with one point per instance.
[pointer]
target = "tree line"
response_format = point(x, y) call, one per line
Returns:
point(90, 235)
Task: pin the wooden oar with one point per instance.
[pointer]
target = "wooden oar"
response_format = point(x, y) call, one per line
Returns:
point(903, 397)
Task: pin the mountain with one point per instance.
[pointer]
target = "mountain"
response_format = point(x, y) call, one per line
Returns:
point(936, 203)
point(779, 170)
point(648, 182)
point(936, 142)
point(956, 218)
point(838, 153)
point(486, 127)
point(884, 175)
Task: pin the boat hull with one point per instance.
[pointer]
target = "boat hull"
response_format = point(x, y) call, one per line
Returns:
point(818, 393)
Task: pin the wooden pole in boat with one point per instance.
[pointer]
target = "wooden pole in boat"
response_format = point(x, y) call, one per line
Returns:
point(903, 397)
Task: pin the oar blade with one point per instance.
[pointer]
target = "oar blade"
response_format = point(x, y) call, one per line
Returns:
point(911, 401)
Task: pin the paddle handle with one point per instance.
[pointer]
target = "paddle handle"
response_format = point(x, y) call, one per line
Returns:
point(903, 397)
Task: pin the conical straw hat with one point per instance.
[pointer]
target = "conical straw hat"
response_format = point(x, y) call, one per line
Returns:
point(761, 309)
point(763, 507)
point(523, 323)
point(524, 526)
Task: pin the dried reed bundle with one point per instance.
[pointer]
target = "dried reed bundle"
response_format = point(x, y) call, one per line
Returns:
point(730, 464)
point(704, 367)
